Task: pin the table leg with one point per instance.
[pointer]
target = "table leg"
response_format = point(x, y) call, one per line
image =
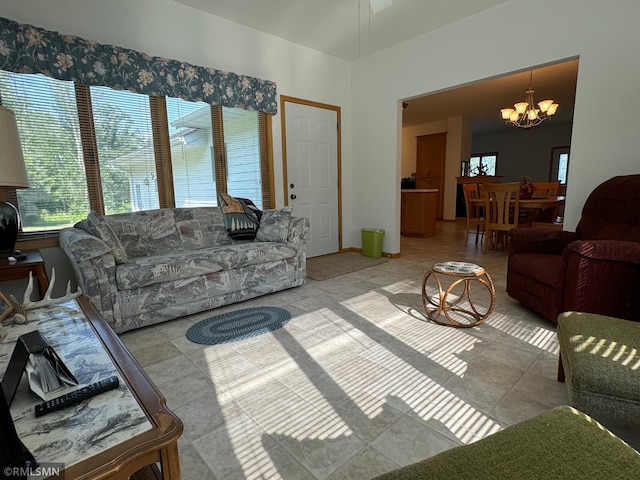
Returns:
point(432, 314)
point(170, 462)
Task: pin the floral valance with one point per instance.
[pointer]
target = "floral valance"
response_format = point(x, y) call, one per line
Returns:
point(28, 49)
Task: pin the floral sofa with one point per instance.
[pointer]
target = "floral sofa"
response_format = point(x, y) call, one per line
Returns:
point(147, 267)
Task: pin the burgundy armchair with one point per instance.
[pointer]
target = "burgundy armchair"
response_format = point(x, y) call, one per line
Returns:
point(595, 269)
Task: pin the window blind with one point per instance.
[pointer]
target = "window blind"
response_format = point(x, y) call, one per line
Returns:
point(51, 142)
point(95, 148)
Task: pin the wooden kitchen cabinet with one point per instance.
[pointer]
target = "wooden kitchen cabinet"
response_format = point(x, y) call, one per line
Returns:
point(431, 153)
point(418, 212)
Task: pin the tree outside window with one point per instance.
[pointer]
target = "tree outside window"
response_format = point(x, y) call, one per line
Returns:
point(482, 164)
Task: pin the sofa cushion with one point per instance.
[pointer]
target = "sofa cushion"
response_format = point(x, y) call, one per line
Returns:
point(274, 225)
point(549, 269)
point(241, 217)
point(252, 253)
point(148, 232)
point(169, 230)
point(601, 358)
point(201, 227)
point(97, 226)
point(143, 271)
point(558, 443)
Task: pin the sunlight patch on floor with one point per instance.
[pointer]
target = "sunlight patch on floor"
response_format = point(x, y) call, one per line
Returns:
point(543, 338)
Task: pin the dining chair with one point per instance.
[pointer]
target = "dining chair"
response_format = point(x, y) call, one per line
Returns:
point(502, 207)
point(548, 190)
point(475, 212)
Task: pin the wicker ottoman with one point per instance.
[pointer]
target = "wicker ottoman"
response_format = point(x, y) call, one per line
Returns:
point(446, 303)
point(559, 443)
point(600, 359)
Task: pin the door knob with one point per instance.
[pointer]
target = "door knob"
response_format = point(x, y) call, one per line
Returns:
point(293, 196)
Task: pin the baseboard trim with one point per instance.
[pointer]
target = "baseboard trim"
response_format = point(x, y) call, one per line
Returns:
point(359, 250)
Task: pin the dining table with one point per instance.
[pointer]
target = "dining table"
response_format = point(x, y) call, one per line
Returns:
point(533, 208)
point(541, 203)
point(533, 204)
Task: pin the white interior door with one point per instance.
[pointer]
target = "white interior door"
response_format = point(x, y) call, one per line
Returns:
point(312, 172)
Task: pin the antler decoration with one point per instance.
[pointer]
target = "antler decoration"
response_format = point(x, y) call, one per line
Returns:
point(20, 310)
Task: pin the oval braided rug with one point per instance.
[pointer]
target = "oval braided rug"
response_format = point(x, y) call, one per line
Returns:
point(238, 325)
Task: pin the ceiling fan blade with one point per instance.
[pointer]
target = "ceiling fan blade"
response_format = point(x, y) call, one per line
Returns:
point(379, 5)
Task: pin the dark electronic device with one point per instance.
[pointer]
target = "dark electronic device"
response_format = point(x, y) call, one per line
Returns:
point(19, 255)
point(28, 343)
point(77, 396)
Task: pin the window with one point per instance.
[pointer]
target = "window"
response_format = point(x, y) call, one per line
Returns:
point(50, 135)
point(124, 141)
point(95, 148)
point(192, 153)
point(482, 164)
point(559, 164)
point(242, 152)
point(563, 165)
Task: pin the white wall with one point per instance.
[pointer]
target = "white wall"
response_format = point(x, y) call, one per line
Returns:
point(605, 139)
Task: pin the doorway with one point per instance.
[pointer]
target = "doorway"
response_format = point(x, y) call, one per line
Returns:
point(311, 167)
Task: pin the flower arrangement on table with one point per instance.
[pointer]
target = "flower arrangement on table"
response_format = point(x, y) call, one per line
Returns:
point(526, 187)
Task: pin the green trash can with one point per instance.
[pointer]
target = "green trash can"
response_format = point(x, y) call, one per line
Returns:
point(372, 242)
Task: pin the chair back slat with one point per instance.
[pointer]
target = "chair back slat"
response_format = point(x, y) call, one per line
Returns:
point(475, 211)
point(502, 204)
point(546, 189)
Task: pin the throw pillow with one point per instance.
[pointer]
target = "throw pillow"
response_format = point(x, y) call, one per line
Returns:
point(274, 225)
point(241, 217)
point(101, 229)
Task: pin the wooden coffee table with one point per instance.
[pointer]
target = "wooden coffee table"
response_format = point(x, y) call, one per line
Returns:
point(116, 435)
point(447, 302)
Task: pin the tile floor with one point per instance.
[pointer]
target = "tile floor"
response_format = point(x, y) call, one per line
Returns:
point(358, 383)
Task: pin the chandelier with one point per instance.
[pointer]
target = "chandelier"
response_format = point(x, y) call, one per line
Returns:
point(525, 115)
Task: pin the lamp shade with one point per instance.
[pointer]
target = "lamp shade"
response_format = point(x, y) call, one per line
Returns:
point(13, 173)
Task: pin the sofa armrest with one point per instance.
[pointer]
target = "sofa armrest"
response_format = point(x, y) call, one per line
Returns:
point(298, 231)
point(609, 250)
point(95, 270)
point(602, 277)
point(81, 246)
point(539, 240)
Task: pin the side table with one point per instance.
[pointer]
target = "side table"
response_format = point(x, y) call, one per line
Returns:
point(448, 302)
point(20, 269)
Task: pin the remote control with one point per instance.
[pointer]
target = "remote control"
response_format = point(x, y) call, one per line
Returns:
point(77, 396)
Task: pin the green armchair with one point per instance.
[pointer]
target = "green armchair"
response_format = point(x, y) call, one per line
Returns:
point(559, 443)
point(600, 361)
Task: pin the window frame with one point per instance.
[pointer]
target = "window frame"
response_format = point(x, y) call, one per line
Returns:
point(554, 164)
point(162, 153)
point(466, 165)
